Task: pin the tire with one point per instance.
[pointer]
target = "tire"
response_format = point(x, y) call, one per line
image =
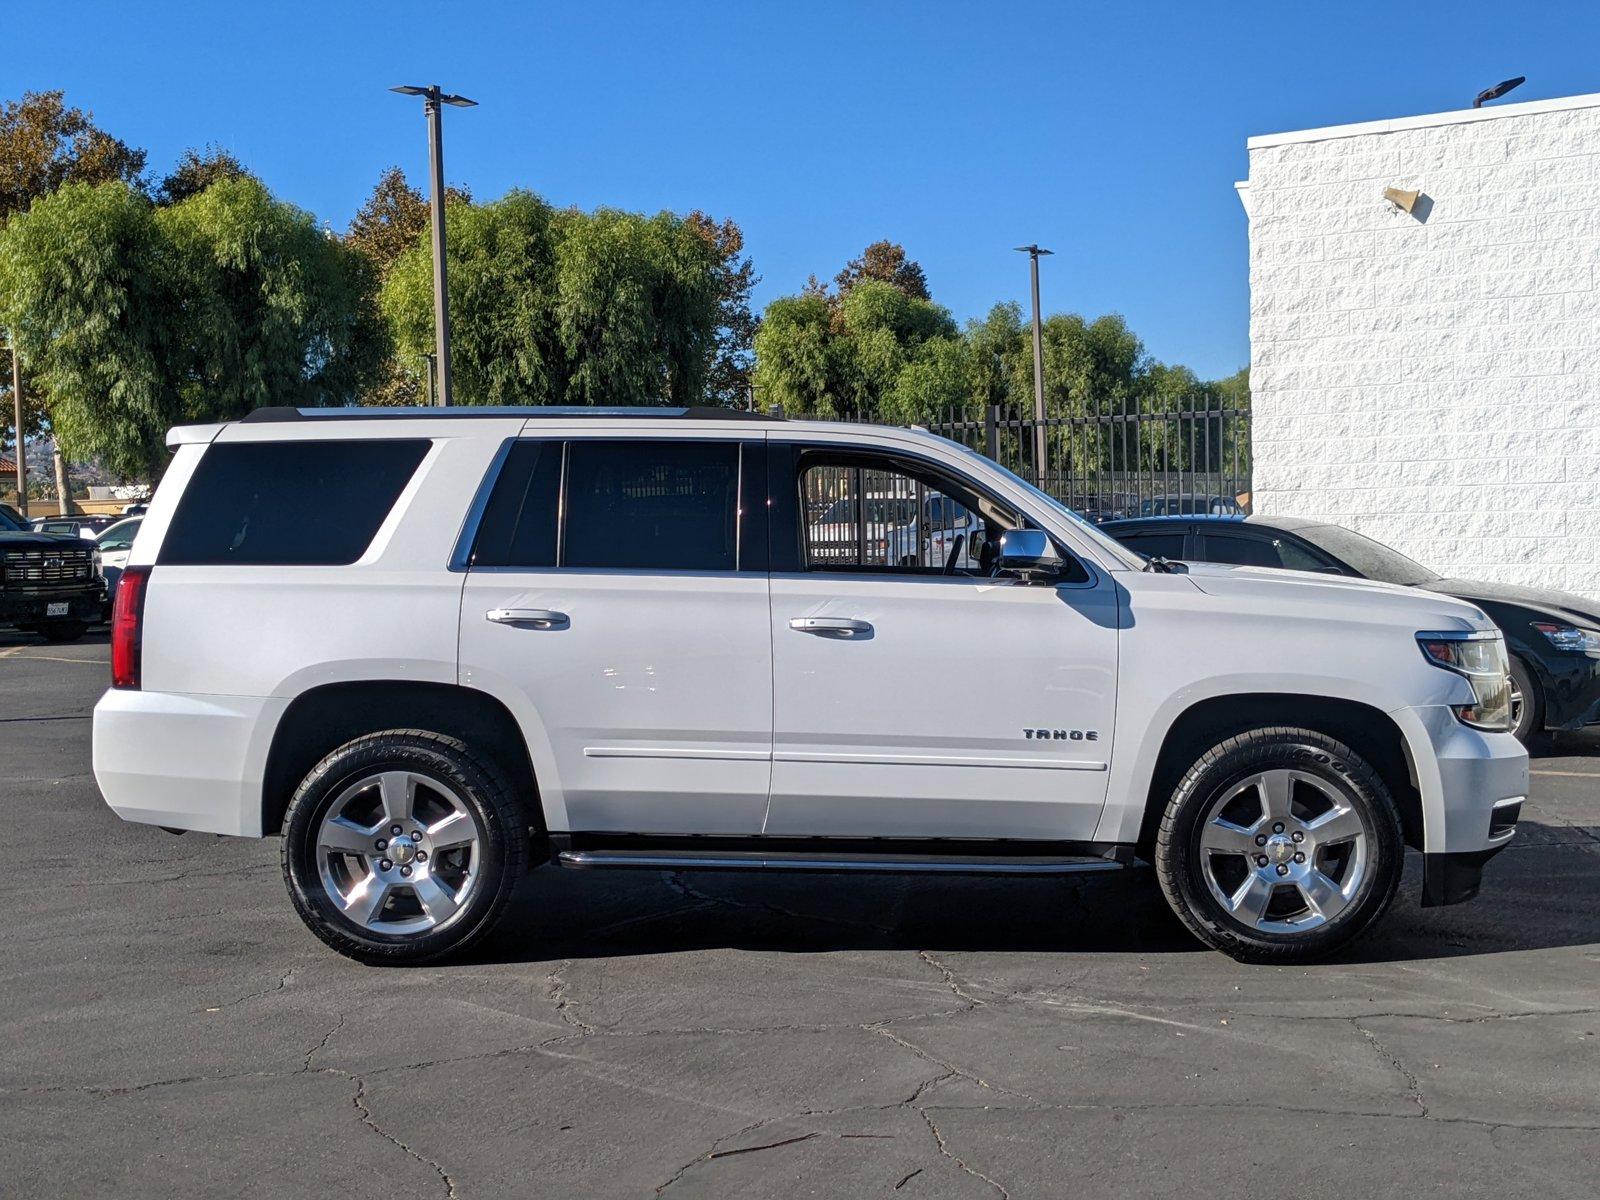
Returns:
point(1527, 703)
point(62, 630)
point(1209, 861)
point(437, 792)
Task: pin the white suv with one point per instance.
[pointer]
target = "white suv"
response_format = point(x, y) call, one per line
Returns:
point(431, 647)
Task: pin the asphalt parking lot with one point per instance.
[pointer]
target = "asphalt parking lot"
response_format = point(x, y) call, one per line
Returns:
point(170, 1029)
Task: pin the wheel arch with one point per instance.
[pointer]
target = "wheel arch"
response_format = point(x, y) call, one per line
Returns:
point(323, 718)
point(1367, 730)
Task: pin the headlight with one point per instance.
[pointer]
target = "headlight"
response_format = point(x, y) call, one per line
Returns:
point(1480, 657)
point(1569, 637)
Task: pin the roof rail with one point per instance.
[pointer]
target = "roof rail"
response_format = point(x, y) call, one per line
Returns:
point(693, 413)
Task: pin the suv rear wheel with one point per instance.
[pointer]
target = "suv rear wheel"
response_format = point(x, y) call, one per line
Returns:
point(1279, 845)
point(401, 847)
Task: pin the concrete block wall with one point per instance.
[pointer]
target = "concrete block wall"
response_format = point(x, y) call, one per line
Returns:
point(1432, 379)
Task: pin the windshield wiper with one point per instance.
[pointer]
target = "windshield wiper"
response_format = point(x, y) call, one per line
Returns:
point(1166, 566)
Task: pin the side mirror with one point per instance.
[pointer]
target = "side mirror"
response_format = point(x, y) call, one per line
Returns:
point(1029, 555)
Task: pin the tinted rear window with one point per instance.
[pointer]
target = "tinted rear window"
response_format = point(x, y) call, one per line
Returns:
point(288, 503)
point(653, 505)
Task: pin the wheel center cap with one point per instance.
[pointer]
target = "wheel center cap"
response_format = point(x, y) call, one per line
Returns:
point(1280, 848)
point(403, 850)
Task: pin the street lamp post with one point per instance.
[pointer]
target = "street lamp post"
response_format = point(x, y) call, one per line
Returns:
point(22, 451)
point(1034, 253)
point(432, 98)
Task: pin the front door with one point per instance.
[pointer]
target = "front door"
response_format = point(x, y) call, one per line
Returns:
point(925, 699)
point(613, 599)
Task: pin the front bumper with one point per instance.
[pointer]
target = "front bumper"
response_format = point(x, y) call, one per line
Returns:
point(33, 608)
point(1472, 785)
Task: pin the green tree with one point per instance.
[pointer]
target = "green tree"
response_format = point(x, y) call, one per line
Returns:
point(799, 362)
point(196, 171)
point(565, 307)
point(732, 358)
point(886, 262)
point(89, 298)
point(276, 312)
point(135, 318)
point(44, 144)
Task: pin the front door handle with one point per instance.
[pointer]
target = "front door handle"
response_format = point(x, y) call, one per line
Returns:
point(837, 627)
point(529, 618)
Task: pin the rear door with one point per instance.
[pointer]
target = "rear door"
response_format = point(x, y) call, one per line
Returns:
point(617, 593)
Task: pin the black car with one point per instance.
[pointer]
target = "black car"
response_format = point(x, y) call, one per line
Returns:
point(49, 582)
point(1553, 637)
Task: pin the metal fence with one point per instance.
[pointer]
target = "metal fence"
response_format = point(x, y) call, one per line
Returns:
point(1125, 460)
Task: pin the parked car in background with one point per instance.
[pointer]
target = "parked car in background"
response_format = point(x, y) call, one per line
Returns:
point(1553, 637)
point(113, 544)
point(85, 526)
point(1166, 506)
point(49, 583)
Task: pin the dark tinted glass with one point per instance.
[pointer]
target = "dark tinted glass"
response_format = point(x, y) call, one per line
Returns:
point(1241, 551)
point(652, 505)
point(1156, 545)
point(519, 523)
point(288, 503)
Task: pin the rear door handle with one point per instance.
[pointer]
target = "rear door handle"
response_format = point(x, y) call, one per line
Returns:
point(529, 618)
point(839, 627)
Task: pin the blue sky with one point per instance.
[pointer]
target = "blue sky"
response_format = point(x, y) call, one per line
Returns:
point(1111, 133)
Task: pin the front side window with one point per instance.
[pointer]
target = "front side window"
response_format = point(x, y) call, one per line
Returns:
point(305, 503)
point(1241, 551)
point(1157, 545)
point(874, 513)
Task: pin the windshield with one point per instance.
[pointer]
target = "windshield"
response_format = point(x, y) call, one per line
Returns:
point(1369, 559)
point(10, 524)
point(1112, 549)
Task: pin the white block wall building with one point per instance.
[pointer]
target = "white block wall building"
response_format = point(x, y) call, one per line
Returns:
point(1432, 378)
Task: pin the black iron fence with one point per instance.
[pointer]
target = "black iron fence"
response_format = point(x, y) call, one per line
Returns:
point(1127, 460)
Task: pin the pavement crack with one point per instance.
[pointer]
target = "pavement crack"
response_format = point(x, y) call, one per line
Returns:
point(905, 1179)
point(360, 1101)
point(944, 1149)
point(1413, 1086)
point(556, 990)
point(323, 1044)
point(950, 1068)
point(803, 1137)
point(282, 983)
point(950, 979)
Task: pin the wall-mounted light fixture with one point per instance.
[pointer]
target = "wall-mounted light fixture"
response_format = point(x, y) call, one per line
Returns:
point(1404, 201)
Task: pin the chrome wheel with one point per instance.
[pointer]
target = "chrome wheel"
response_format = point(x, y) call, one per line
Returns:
point(1284, 850)
point(398, 853)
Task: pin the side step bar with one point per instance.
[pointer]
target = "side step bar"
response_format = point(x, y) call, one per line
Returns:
point(730, 860)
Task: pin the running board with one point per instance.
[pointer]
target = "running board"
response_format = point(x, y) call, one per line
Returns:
point(728, 860)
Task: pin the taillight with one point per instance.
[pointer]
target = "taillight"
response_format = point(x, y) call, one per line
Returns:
point(127, 627)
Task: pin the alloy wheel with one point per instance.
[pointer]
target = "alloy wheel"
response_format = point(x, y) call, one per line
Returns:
point(398, 853)
point(1284, 850)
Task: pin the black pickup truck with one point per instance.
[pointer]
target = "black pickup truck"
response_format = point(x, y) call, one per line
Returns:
point(50, 583)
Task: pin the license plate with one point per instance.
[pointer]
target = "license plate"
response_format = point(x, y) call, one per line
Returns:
point(56, 608)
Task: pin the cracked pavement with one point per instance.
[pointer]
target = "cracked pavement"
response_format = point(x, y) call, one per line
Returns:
point(171, 1029)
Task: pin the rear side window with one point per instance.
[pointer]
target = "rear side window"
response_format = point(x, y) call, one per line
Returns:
point(311, 503)
point(519, 522)
point(1241, 551)
point(652, 505)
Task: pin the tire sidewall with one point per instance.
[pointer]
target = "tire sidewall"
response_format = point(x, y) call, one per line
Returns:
point(1226, 765)
point(1531, 724)
point(434, 758)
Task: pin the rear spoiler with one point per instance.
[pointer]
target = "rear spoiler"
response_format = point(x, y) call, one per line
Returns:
point(186, 435)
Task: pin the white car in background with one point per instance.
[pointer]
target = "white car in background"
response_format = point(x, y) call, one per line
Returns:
point(113, 546)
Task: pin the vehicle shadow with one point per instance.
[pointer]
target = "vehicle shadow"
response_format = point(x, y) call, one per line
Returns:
point(1582, 743)
point(1543, 895)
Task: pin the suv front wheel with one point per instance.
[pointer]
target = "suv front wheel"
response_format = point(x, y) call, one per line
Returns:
point(401, 847)
point(1279, 845)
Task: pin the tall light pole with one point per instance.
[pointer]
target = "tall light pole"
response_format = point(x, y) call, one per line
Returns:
point(432, 98)
point(1034, 253)
point(22, 451)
